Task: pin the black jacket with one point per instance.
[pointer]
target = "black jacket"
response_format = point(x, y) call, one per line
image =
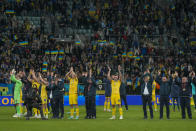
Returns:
point(122, 89)
point(185, 90)
point(89, 88)
point(165, 87)
point(59, 89)
point(149, 84)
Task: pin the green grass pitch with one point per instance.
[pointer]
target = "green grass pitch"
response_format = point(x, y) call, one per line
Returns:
point(133, 121)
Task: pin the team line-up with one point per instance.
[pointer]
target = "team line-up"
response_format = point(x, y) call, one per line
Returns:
point(41, 89)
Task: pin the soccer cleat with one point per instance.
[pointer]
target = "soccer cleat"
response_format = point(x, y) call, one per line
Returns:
point(155, 110)
point(39, 116)
point(35, 116)
point(121, 117)
point(109, 110)
point(16, 115)
point(104, 109)
point(77, 117)
point(71, 117)
point(113, 118)
point(46, 116)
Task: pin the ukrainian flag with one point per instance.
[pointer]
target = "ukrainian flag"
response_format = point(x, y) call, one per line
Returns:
point(130, 54)
point(137, 58)
point(124, 55)
point(193, 41)
point(60, 57)
point(54, 52)
point(173, 7)
point(22, 43)
point(44, 69)
point(92, 12)
point(115, 56)
point(45, 63)
point(9, 11)
point(47, 52)
point(77, 42)
point(111, 42)
point(61, 52)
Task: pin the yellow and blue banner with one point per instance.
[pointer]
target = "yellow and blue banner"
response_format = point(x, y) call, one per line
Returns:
point(137, 58)
point(15, 37)
point(22, 43)
point(92, 12)
point(47, 52)
point(124, 54)
point(61, 51)
point(77, 42)
point(45, 63)
point(193, 41)
point(54, 52)
point(112, 43)
point(60, 57)
point(115, 56)
point(44, 69)
point(9, 11)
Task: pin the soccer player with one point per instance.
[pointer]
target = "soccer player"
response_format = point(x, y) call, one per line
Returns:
point(154, 95)
point(73, 92)
point(107, 87)
point(17, 90)
point(115, 95)
point(43, 95)
point(35, 84)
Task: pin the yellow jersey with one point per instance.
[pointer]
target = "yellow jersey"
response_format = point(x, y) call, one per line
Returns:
point(73, 86)
point(43, 91)
point(153, 87)
point(35, 84)
point(115, 87)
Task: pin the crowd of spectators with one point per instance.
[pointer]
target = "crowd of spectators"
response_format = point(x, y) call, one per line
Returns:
point(158, 35)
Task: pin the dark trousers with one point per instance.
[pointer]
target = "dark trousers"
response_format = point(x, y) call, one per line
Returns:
point(58, 106)
point(164, 100)
point(124, 98)
point(185, 103)
point(194, 98)
point(90, 106)
point(147, 99)
point(177, 102)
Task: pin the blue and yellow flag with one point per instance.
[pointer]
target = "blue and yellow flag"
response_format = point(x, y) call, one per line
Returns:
point(130, 54)
point(124, 54)
point(193, 42)
point(61, 51)
point(60, 57)
point(137, 58)
point(22, 43)
point(47, 52)
point(45, 63)
point(54, 52)
point(44, 69)
point(77, 42)
point(9, 11)
point(115, 56)
point(92, 12)
point(173, 7)
point(111, 42)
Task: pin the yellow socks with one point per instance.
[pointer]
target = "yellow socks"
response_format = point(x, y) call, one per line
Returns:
point(113, 111)
point(72, 112)
point(120, 111)
point(105, 105)
point(108, 104)
point(77, 111)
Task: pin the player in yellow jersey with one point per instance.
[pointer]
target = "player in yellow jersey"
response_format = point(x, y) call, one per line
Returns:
point(73, 92)
point(44, 96)
point(115, 95)
point(154, 95)
point(35, 84)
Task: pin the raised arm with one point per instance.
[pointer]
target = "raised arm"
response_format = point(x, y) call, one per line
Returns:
point(42, 80)
point(108, 75)
point(70, 71)
point(120, 74)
